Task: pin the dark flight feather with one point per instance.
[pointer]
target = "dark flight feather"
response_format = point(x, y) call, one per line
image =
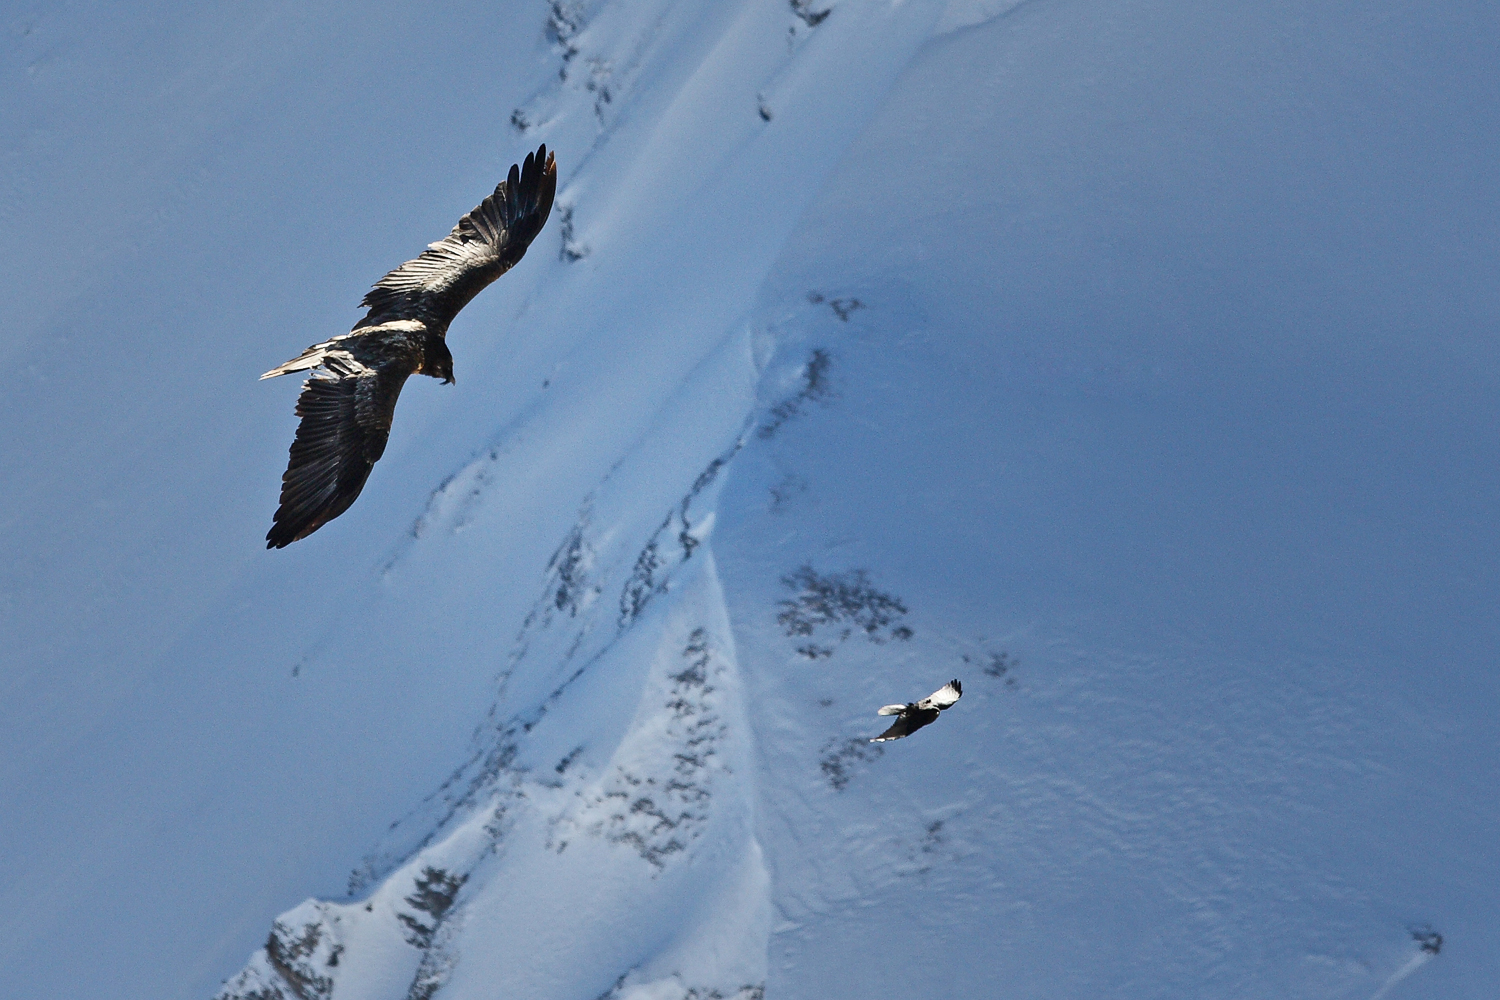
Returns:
point(346, 420)
point(346, 407)
point(485, 244)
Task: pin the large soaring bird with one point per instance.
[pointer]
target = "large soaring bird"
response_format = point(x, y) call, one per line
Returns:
point(913, 716)
point(346, 405)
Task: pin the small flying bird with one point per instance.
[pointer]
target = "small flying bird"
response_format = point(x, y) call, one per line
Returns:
point(346, 406)
point(911, 717)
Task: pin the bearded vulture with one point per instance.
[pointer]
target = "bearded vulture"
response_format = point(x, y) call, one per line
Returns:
point(346, 406)
point(910, 718)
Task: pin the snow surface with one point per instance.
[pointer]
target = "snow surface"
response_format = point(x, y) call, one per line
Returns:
point(1132, 361)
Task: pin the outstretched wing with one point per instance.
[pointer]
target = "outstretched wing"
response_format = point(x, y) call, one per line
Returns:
point(907, 723)
point(943, 697)
point(484, 245)
point(901, 727)
point(346, 419)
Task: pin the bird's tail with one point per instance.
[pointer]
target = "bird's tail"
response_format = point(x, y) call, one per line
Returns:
point(891, 710)
point(307, 360)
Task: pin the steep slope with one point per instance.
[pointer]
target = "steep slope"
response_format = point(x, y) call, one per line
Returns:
point(1127, 362)
point(1174, 398)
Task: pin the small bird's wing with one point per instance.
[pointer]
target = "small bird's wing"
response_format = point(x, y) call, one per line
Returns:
point(943, 697)
point(346, 418)
point(485, 244)
point(901, 727)
point(907, 723)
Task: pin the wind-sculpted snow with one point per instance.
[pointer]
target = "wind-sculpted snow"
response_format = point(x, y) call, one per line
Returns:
point(657, 799)
point(656, 795)
point(565, 633)
point(603, 49)
point(391, 944)
point(1147, 345)
point(671, 544)
point(815, 388)
point(676, 990)
point(299, 954)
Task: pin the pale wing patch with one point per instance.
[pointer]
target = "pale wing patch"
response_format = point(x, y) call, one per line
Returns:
point(943, 697)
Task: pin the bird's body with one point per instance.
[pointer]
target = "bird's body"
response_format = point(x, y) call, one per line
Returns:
point(346, 406)
point(914, 715)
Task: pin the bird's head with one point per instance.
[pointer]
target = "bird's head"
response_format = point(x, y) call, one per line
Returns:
point(438, 363)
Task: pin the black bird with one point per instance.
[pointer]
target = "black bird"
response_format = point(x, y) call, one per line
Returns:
point(913, 716)
point(346, 406)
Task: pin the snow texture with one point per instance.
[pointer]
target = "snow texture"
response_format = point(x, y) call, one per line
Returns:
point(1131, 361)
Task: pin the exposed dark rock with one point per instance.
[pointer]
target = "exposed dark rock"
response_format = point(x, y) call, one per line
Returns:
point(840, 599)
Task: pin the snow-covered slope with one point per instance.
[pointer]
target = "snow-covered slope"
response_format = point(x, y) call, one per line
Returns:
point(1130, 361)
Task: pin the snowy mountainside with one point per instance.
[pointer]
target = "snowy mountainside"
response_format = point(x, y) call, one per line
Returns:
point(1127, 361)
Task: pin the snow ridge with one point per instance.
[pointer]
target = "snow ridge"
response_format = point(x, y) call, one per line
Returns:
point(657, 795)
point(540, 775)
point(662, 817)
